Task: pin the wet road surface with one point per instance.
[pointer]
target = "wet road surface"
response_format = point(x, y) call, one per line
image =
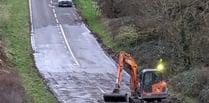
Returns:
point(68, 57)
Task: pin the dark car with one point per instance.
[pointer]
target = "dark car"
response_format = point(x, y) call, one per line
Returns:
point(66, 3)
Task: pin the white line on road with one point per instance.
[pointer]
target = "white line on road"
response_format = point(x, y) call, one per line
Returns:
point(31, 18)
point(55, 15)
point(67, 44)
point(74, 15)
point(51, 1)
point(84, 26)
point(100, 89)
point(53, 10)
point(31, 26)
point(57, 21)
point(64, 36)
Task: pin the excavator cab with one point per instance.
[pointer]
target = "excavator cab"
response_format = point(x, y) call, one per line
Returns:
point(152, 85)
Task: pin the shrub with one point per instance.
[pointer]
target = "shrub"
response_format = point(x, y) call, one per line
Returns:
point(194, 83)
point(127, 37)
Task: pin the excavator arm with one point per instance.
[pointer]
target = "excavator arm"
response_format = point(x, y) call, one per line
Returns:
point(116, 96)
point(126, 58)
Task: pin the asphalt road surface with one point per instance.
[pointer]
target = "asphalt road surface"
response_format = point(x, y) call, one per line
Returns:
point(73, 64)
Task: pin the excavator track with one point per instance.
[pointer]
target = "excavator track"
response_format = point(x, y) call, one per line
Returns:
point(167, 100)
point(135, 100)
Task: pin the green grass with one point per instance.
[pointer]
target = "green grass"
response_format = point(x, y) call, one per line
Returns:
point(89, 12)
point(16, 33)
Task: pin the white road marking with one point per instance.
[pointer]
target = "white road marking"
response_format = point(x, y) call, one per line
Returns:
point(55, 15)
point(51, 1)
point(57, 21)
point(31, 18)
point(31, 26)
point(84, 26)
point(67, 44)
point(59, 26)
point(74, 16)
point(53, 10)
point(100, 89)
point(51, 6)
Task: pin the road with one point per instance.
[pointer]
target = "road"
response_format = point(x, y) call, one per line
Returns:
point(73, 64)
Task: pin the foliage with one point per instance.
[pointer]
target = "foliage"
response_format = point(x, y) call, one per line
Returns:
point(181, 27)
point(137, 43)
point(203, 96)
point(193, 83)
point(127, 35)
point(175, 30)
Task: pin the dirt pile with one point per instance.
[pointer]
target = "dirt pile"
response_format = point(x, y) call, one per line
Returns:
point(11, 90)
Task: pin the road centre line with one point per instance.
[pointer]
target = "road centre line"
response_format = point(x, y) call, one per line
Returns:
point(57, 21)
point(67, 44)
point(59, 26)
point(53, 10)
point(55, 15)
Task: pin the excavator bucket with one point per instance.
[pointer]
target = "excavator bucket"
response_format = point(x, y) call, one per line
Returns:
point(115, 97)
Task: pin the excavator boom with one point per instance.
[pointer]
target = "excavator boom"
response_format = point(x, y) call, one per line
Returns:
point(116, 96)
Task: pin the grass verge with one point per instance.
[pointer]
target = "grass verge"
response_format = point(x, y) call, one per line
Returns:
point(15, 31)
point(91, 14)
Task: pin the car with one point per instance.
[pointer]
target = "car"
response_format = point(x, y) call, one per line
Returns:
point(66, 3)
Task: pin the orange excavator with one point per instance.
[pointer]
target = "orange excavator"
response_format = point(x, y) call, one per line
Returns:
point(148, 85)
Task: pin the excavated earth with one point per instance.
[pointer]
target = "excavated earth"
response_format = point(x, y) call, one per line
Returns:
point(11, 90)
